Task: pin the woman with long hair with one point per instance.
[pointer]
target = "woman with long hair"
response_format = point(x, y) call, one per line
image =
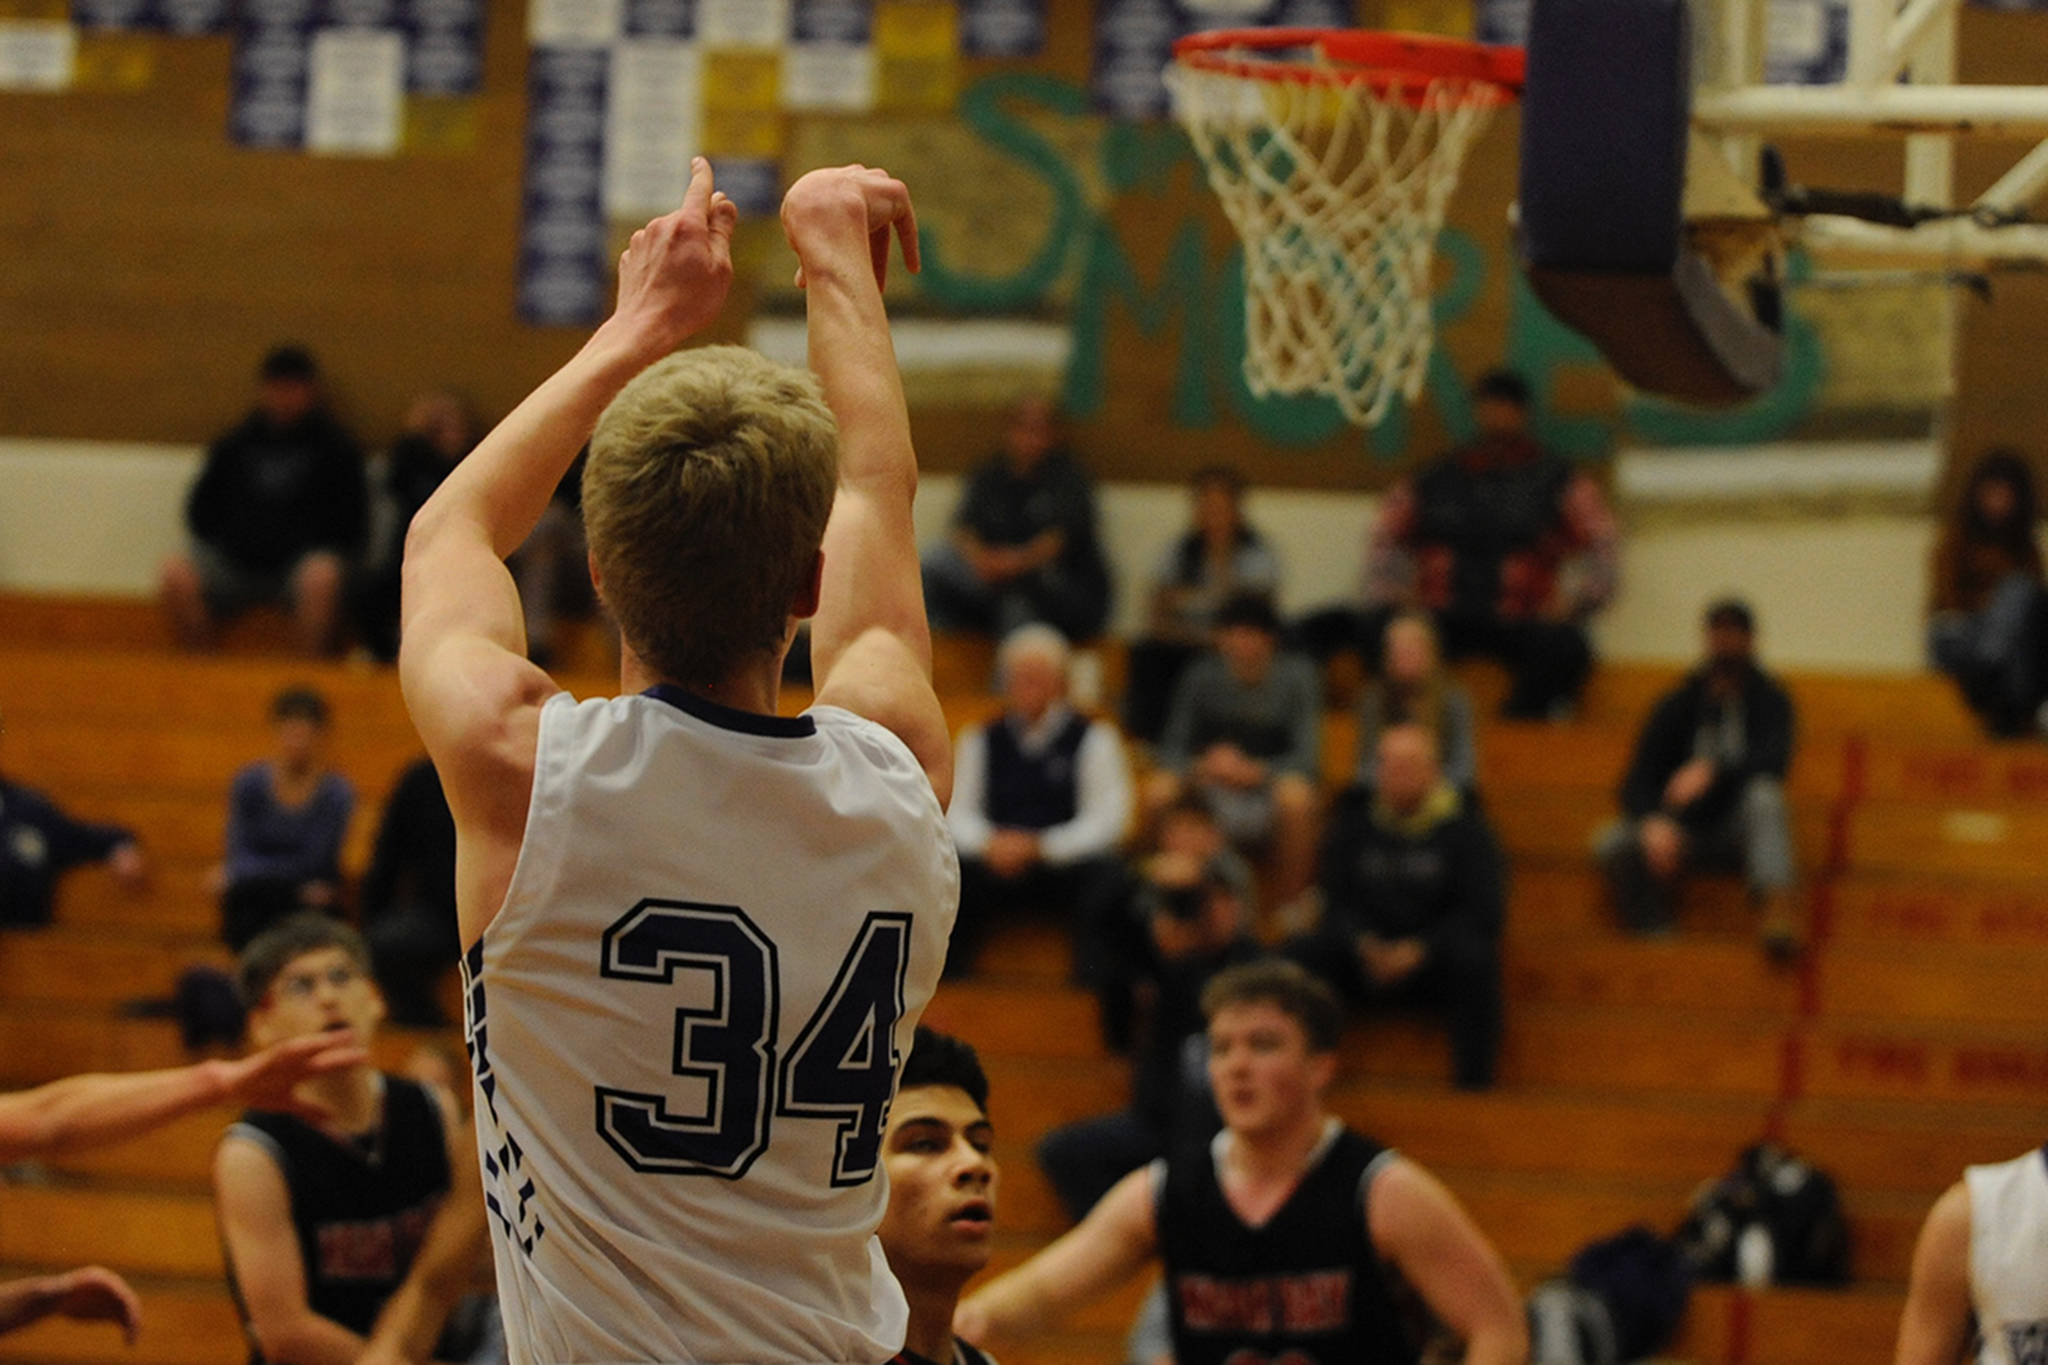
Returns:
point(1984, 628)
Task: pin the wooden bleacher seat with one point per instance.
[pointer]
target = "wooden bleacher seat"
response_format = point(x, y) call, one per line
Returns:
point(1631, 1071)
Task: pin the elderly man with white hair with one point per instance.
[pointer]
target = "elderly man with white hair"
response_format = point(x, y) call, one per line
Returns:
point(1041, 796)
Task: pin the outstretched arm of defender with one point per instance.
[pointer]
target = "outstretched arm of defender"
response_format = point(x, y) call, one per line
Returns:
point(870, 644)
point(1105, 1250)
point(473, 696)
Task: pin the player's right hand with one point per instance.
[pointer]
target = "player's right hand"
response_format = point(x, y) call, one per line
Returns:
point(676, 271)
point(840, 206)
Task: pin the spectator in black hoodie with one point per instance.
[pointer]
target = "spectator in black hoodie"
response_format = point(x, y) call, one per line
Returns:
point(1707, 788)
point(1413, 889)
point(278, 512)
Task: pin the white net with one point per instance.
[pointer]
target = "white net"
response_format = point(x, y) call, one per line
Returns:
point(1338, 190)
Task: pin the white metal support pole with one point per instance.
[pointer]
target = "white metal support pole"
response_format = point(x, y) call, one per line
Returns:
point(1740, 36)
point(1870, 31)
point(1931, 157)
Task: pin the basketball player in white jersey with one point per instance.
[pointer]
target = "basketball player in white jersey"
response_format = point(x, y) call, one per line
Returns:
point(698, 935)
point(1979, 1289)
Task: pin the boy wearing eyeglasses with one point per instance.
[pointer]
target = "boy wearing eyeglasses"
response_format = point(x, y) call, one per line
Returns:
point(350, 1238)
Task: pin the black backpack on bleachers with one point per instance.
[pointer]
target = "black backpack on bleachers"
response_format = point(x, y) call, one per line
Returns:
point(1773, 1219)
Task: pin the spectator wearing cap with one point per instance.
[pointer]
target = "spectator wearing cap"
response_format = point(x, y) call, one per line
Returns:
point(1706, 788)
point(1245, 731)
point(1507, 547)
point(280, 509)
point(287, 817)
point(1041, 799)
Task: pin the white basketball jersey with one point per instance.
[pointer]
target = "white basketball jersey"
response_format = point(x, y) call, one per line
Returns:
point(2009, 1258)
point(686, 1023)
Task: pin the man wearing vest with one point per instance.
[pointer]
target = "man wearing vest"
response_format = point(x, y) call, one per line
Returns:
point(1288, 1237)
point(1040, 800)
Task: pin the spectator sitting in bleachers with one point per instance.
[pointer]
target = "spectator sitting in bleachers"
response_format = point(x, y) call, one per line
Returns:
point(439, 430)
point(1245, 730)
point(279, 511)
point(287, 817)
point(1414, 889)
point(1414, 687)
point(1985, 625)
point(1706, 787)
point(1185, 919)
point(1023, 544)
point(39, 843)
point(1217, 558)
point(1507, 546)
point(1041, 798)
point(408, 897)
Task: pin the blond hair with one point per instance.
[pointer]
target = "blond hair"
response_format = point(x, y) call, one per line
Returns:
point(710, 479)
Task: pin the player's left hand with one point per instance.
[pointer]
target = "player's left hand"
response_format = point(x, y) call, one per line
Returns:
point(822, 204)
point(676, 271)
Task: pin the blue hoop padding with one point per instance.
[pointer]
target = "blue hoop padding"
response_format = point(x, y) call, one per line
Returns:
point(1605, 116)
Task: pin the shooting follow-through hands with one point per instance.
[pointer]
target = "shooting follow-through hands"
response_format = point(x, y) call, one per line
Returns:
point(676, 271)
point(829, 209)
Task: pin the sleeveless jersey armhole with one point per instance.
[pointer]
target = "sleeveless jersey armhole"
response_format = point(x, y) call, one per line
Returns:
point(540, 840)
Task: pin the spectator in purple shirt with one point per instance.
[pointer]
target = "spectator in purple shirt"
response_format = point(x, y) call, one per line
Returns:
point(287, 816)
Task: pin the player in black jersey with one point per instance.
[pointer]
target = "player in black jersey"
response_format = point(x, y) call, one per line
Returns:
point(942, 1192)
point(350, 1239)
point(1288, 1238)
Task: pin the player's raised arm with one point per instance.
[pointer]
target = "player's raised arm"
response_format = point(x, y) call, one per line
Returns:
point(870, 644)
point(472, 694)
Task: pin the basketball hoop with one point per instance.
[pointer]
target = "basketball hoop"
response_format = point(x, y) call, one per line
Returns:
point(1335, 153)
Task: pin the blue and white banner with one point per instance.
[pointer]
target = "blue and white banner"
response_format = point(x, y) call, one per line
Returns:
point(562, 247)
point(445, 47)
point(179, 17)
point(1502, 21)
point(272, 67)
point(754, 186)
point(1806, 42)
point(661, 18)
point(1002, 28)
point(1133, 42)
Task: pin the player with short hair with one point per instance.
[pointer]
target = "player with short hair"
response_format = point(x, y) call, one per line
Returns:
point(938, 1149)
point(1288, 1236)
point(698, 934)
point(359, 1230)
point(1979, 1286)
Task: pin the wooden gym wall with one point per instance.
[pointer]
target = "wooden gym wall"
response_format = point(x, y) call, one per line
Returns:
point(145, 263)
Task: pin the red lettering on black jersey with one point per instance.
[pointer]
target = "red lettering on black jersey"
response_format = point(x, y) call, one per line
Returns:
point(1317, 1302)
point(375, 1249)
point(1212, 1305)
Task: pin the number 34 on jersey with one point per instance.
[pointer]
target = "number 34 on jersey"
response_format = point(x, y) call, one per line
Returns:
point(735, 1079)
